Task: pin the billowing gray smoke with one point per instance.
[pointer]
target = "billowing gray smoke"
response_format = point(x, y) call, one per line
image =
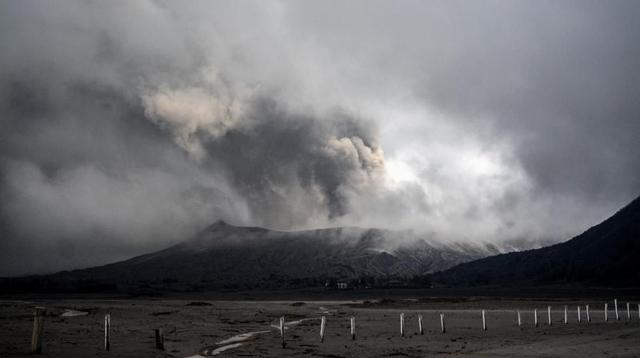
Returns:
point(128, 126)
point(105, 154)
point(297, 170)
point(87, 169)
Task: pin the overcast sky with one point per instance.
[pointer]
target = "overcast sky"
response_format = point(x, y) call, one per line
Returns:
point(127, 126)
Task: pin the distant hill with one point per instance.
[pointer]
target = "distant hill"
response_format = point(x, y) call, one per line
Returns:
point(607, 254)
point(227, 256)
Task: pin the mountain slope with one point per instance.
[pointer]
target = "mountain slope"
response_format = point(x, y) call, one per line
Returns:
point(227, 256)
point(606, 254)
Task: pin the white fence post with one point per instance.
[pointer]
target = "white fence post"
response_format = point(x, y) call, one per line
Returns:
point(549, 314)
point(484, 322)
point(535, 317)
point(442, 323)
point(420, 329)
point(606, 312)
point(282, 330)
point(566, 318)
point(323, 322)
point(107, 332)
point(588, 316)
point(401, 324)
point(615, 303)
point(519, 319)
point(353, 328)
point(579, 316)
point(628, 312)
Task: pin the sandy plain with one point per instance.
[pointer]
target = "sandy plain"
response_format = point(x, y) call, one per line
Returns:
point(248, 328)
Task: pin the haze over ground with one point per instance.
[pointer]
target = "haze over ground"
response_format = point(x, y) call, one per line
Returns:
point(129, 126)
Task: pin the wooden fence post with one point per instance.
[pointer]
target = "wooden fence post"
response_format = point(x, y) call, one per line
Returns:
point(323, 323)
point(38, 325)
point(159, 338)
point(420, 329)
point(107, 332)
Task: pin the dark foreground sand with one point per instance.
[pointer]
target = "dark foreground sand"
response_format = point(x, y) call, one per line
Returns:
point(200, 329)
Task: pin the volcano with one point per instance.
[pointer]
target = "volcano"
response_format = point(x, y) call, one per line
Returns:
point(238, 257)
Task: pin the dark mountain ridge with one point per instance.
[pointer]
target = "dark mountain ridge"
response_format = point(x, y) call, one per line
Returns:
point(607, 254)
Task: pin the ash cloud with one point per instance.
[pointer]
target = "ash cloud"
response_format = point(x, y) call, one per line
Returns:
point(129, 126)
point(295, 170)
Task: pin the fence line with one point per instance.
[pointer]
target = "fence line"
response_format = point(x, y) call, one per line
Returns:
point(40, 312)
